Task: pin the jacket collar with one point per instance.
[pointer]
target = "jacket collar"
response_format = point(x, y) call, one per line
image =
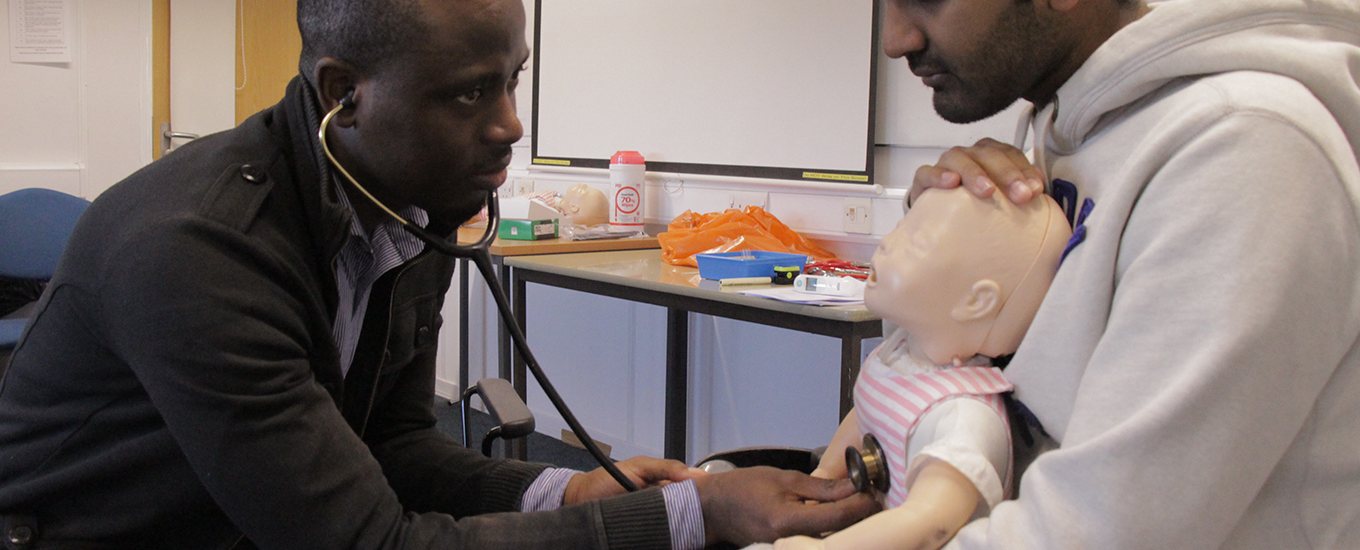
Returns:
point(296, 120)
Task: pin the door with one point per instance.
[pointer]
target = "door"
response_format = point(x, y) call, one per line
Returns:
point(267, 52)
point(208, 76)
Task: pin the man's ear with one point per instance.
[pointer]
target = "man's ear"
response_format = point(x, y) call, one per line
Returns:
point(335, 80)
point(982, 300)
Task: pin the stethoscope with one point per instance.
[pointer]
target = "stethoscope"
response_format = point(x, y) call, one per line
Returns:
point(479, 253)
point(867, 467)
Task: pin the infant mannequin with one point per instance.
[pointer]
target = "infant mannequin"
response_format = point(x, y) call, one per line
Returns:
point(585, 205)
point(962, 278)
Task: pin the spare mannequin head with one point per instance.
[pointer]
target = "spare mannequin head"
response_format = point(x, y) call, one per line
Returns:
point(964, 275)
point(585, 205)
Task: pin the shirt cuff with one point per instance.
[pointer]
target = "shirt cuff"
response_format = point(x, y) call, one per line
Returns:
point(685, 515)
point(545, 493)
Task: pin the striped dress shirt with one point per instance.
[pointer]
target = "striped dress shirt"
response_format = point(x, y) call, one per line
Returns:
point(366, 256)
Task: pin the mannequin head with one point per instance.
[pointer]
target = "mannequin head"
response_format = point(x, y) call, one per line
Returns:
point(964, 275)
point(585, 205)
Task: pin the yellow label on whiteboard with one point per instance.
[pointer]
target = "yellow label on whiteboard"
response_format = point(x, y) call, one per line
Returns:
point(835, 177)
point(554, 162)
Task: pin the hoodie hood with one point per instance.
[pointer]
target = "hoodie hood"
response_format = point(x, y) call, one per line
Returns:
point(1315, 42)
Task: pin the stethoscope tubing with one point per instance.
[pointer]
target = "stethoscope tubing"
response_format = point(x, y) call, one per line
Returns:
point(479, 253)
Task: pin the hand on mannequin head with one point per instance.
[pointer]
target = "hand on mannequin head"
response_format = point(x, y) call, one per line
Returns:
point(982, 168)
point(964, 275)
point(585, 205)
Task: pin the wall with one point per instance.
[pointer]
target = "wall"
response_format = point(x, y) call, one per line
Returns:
point(81, 126)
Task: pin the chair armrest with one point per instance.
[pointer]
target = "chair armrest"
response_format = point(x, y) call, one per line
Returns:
point(510, 415)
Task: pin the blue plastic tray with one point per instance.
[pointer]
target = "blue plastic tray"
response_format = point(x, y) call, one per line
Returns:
point(747, 263)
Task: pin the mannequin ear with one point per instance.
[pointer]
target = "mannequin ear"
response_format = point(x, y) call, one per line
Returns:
point(982, 300)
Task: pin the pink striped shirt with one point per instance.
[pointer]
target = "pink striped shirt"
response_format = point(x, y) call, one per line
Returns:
point(890, 402)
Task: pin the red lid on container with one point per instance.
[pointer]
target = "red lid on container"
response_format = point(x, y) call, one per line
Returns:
point(627, 157)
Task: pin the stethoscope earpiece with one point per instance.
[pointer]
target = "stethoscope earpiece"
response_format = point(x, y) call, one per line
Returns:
point(868, 471)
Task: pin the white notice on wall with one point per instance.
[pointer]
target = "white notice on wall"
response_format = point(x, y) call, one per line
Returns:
point(40, 31)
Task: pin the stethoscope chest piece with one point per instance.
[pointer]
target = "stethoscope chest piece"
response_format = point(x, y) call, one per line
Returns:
point(868, 470)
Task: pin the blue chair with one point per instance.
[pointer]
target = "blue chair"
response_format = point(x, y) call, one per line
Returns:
point(34, 227)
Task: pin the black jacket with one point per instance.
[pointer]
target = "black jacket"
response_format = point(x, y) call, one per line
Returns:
point(180, 386)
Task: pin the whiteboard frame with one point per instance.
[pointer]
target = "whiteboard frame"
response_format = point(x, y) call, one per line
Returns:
point(855, 175)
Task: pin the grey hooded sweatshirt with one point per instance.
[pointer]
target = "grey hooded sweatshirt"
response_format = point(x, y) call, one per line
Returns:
point(1197, 359)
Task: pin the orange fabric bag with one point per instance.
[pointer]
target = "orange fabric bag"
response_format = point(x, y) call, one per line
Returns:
point(691, 233)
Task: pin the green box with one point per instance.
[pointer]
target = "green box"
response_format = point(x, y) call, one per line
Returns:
point(527, 230)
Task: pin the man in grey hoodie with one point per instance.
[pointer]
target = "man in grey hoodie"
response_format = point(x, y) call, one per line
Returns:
point(1197, 361)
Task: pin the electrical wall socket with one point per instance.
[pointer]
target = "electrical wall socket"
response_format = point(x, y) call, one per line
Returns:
point(521, 186)
point(741, 199)
point(856, 215)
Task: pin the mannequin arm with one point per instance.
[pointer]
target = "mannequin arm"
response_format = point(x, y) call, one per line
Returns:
point(832, 463)
point(940, 501)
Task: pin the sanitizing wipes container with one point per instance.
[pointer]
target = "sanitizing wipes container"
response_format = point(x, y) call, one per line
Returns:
point(627, 176)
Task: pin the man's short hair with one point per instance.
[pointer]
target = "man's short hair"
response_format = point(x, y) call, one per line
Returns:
point(364, 33)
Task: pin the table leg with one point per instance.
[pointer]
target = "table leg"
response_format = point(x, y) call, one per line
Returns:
point(518, 305)
point(677, 382)
point(462, 326)
point(504, 344)
point(850, 358)
point(511, 363)
point(462, 331)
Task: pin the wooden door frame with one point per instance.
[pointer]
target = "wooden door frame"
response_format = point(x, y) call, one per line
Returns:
point(160, 72)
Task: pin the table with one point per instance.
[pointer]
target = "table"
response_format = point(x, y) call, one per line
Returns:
point(499, 249)
point(642, 276)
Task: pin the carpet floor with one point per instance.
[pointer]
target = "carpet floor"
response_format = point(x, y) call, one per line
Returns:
point(540, 448)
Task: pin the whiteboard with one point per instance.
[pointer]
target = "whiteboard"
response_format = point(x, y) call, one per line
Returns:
point(758, 88)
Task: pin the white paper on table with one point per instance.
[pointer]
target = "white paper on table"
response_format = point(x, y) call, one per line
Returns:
point(788, 294)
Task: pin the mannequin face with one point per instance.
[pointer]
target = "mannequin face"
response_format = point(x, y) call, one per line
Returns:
point(585, 205)
point(948, 273)
point(901, 270)
point(910, 284)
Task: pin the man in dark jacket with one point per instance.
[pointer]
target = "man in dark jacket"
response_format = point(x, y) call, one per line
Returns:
point(239, 347)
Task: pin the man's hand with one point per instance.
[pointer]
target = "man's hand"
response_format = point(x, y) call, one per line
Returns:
point(982, 168)
point(762, 504)
point(644, 472)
